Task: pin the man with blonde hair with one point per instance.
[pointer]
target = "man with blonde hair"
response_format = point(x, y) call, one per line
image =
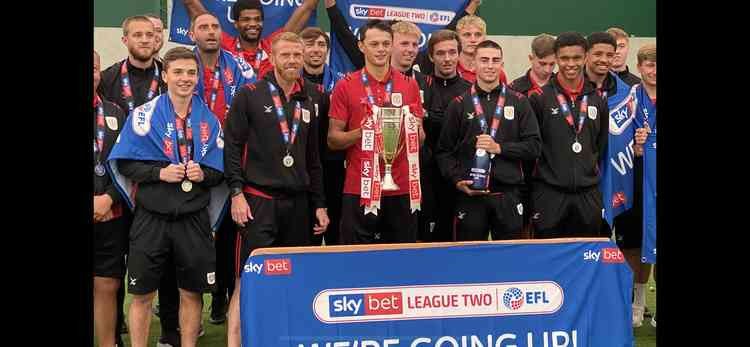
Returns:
point(272, 161)
point(619, 64)
point(633, 235)
point(471, 31)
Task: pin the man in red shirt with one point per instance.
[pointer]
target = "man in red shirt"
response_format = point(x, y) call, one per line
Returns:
point(366, 216)
point(248, 20)
point(471, 31)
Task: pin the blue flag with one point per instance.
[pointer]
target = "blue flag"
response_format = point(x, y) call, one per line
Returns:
point(330, 77)
point(428, 15)
point(556, 293)
point(149, 133)
point(616, 183)
point(235, 73)
point(275, 14)
point(646, 113)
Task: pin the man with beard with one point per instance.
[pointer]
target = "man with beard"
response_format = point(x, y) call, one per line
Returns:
point(436, 219)
point(349, 42)
point(273, 163)
point(137, 79)
point(158, 33)
point(542, 59)
point(619, 64)
point(367, 217)
point(171, 148)
point(573, 121)
point(472, 30)
point(219, 76)
point(248, 20)
point(111, 225)
point(316, 71)
point(129, 84)
point(494, 124)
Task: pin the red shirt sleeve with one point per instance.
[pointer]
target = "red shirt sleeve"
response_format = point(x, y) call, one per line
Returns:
point(339, 108)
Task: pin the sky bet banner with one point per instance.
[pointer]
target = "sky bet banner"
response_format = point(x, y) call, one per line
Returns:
point(275, 15)
point(428, 15)
point(616, 183)
point(533, 294)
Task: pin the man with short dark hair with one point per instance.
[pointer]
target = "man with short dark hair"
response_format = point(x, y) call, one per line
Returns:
point(573, 121)
point(171, 147)
point(273, 163)
point(366, 217)
point(436, 218)
point(158, 33)
point(315, 70)
point(248, 20)
point(220, 75)
point(542, 59)
point(492, 124)
point(599, 56)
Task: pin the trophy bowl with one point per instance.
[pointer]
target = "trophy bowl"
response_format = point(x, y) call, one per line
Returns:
point(390, 120)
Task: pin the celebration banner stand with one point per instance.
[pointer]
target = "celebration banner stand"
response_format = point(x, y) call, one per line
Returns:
point(524, 293)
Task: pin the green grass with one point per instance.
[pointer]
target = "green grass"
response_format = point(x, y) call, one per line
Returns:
point(215, 336)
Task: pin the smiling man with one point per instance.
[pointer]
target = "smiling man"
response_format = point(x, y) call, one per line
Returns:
point(273, 163)
point(248, 20)
point(599, 59)
point(369, 216)
point(573, 121)
point(171, 148)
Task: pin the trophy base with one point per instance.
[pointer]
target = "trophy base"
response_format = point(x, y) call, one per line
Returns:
point(389, 184)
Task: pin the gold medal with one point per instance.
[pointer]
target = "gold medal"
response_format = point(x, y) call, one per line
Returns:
point(288, 161)
point(187, 186)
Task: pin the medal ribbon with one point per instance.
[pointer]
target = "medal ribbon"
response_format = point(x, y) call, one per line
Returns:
point(127, 92)
point(569, 116)
point(283, 125)
point(99, 141)
point(480, 111)
point(258, 54)
point(184, 136)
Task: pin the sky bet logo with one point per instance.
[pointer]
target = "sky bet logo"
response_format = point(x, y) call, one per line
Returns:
point(271, 267)
point(371, 12)
point(349, 305)
point(607, 255)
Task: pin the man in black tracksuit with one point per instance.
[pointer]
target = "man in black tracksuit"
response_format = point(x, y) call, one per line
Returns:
point(573, 121)
point(438, 193)
point(501, 125)
point(143, 74)
point(272, 162)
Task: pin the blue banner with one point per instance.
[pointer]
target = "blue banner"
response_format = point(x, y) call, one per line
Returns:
point(647, 114)
point(428, 15)
point(561, 293)
point(275, 14)
point(616, 183)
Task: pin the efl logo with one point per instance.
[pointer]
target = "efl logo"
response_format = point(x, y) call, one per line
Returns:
point(349, 305)
point(514, 298)
point(618, 199)
point(612, 255)
point(277, 266)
